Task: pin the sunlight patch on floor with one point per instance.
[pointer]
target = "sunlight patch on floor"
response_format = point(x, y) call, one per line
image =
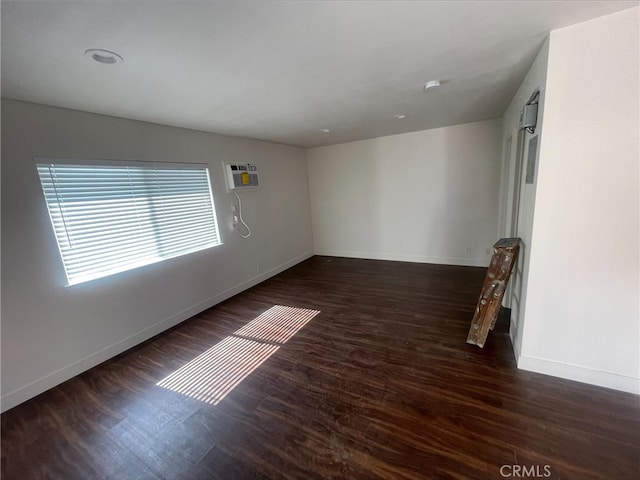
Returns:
point(278, 324)
point(213, 374)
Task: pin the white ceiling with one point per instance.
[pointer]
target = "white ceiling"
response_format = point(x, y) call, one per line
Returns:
point(282, 70)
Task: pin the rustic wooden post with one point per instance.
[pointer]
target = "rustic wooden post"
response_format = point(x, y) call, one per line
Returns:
point(505, 255)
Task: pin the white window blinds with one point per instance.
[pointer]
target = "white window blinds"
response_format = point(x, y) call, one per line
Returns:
point(111, 218)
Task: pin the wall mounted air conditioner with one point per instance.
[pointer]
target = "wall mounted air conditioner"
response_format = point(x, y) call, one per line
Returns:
point(241, 176)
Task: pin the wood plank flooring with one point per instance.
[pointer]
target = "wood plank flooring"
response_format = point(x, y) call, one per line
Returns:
point(379, 384)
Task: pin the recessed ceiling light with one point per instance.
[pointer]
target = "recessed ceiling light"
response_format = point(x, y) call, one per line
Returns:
point(400, 115)
point(431, 84)
point(103, 56)
point(325, 130)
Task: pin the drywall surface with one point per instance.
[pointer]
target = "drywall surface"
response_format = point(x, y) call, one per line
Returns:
point(51, 332)
point(518, 195)
point(582, 312)
point(429, 196)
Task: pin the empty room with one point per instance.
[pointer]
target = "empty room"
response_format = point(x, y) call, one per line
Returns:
point(272, 239)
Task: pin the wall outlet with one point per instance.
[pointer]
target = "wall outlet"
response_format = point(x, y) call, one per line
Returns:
point(234, 210)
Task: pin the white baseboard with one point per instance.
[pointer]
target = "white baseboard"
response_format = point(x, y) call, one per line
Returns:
point(61, 375)
point(466, 262)
point(580, 374)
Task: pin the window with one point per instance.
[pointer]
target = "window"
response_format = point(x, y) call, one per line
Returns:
point(109, 217)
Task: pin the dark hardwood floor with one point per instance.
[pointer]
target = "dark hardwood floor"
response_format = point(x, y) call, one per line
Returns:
point(379, 384)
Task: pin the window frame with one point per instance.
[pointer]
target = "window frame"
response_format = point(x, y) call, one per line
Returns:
point(154, 222)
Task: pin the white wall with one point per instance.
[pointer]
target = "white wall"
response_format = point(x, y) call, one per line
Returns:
point(582, 315)
point(534, 80)
point(429, 196)
point(51, 332)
